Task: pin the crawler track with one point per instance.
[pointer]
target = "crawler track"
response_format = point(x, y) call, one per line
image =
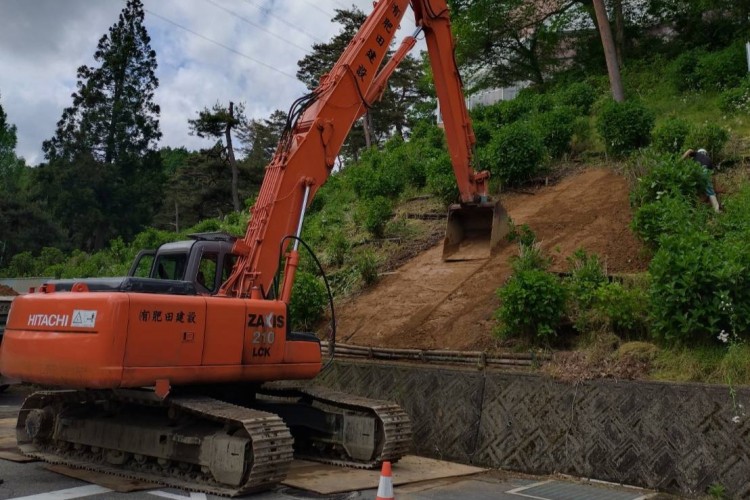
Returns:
point(393, 427)
point(211, 446)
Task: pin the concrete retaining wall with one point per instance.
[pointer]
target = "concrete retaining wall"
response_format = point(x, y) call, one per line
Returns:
point(679, 438)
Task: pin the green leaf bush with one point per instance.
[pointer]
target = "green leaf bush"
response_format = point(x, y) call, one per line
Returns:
point(532, 304)
point(666, 176)
point(556, 130)
point(374, 214)
point(586, 276)
point(736, 100)
point(710, 137)
point(698, 69)
point(622, 309)
point(515, 154)
point(441, 181)
point(579, 95)
point(625, 126)
point(670, 136)
point(308, 302)
point(669, 215)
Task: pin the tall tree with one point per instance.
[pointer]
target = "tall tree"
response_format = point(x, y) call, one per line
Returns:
point(12, 168)
point(391, 112)
point(509, 41)
point(110, 131)
point(198, 189)
point(218, 123)
point(25, 226)
point(261, 138)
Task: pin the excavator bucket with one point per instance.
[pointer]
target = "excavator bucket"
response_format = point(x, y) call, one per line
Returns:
point(475, 231)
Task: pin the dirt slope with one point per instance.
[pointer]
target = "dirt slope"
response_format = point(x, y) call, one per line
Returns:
point(431, 304)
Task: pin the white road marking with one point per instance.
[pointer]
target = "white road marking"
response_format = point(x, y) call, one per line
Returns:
point(164, 494)
point(517, 491)
point(79, 492)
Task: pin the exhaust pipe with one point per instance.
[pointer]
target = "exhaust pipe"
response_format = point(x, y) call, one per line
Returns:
point(474, 231)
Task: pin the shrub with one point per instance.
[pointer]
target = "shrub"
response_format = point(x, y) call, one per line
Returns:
point(556, 129)
point(522, 234)
point(722, 69)
point(530, 257)
point(515, 154)
point(699, 287)
point(308, 302)
point(338, 247)
point(153, 238)
point(483, 132)
point(681, 272)
point(669, 137)
point(532, 305)
point(710, 137)
point(669, 215)
point(374, 214)
point(22, 264)
point(668, 176)
point(582, 139)
point(586, 276)
point(701, 70)
point(736, 100)
point(507, 112)
point(622, 309)
point(441, 181)
point(736, 217)
point(625, 126)
point(683, 70)
point(407, 158)
point(374, 176)
point(366, 263)
point(579, 95)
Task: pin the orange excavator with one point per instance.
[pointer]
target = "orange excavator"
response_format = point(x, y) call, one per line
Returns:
point(182, 377)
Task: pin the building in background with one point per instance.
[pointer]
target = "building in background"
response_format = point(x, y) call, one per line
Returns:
point(487, 98)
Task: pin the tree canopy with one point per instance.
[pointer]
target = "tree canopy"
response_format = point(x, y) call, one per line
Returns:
point(104, 177)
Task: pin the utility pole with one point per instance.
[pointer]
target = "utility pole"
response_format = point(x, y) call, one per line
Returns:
point(610, 52)
point(232, 160)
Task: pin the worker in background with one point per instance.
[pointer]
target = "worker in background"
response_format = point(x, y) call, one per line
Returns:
point(701, 156)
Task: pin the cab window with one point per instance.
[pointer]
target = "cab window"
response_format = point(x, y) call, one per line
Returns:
point(170, 266)
point(206, 276)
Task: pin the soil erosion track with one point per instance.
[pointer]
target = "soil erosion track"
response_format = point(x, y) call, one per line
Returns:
point(431, 304)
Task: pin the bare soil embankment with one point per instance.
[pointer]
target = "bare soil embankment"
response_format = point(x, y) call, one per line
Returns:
point(430, 304)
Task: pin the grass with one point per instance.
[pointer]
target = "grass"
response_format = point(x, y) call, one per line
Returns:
point(715, 365)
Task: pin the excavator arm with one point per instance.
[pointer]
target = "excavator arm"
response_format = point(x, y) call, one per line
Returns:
point(318, 124)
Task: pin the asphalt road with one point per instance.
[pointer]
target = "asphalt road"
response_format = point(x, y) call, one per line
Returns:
point(32, 481)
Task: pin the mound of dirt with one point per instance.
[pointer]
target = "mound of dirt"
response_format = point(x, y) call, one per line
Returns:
point(7, 291)
point(430, 304)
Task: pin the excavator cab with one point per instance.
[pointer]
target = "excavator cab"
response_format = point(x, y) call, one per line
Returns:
point(205, 260)
point(474, 231)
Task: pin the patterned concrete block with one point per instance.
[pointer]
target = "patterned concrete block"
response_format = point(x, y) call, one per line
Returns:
point(674, 437)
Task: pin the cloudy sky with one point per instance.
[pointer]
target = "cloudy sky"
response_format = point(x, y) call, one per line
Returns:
point(251, 58)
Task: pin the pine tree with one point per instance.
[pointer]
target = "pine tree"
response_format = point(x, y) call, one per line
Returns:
point(219, 122)
point(110, 131)
point(113, 115)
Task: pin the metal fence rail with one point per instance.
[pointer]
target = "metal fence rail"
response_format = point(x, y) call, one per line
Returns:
point(473, 358)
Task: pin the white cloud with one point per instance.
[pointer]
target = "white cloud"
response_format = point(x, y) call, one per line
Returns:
point(43, 42)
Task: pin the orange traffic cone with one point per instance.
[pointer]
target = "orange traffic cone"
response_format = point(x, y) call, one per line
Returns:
point(385, 488)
